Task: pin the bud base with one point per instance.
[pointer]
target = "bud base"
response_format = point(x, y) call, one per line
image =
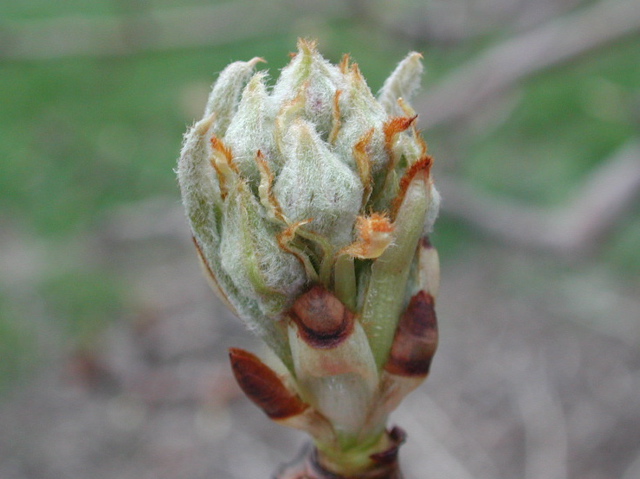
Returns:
point(307, 465)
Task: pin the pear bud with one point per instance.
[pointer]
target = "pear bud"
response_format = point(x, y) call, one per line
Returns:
point(309, 202)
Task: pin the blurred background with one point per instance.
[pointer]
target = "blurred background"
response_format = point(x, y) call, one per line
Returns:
point(112, 349)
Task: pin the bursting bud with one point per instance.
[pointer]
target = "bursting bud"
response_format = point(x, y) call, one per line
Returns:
point(310, 202)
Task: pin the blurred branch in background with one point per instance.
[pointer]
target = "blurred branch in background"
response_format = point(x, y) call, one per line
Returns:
point(154, 29)
point(573, 230)
point(451, 22)
point(502, 66)
point(166, 29)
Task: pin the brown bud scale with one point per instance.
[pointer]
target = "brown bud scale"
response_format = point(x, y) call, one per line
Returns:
point(416, 338)
point(263, 386)
point(323, 320)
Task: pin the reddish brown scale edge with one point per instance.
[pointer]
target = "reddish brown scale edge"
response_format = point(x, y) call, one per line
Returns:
point(390, 455)
point(423, 165)
point(212, 277)
point(416, 338)
point(396, 125)
point(323, 320)
point(218, 145)
point(263, 386)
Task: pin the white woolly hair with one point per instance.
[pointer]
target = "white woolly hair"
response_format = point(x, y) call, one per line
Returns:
point(314, 183)
point(248, 238)
point(402, 83)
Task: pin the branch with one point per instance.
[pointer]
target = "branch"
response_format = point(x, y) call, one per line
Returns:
point(575, 228)
point(157, 30)
point(504, 65)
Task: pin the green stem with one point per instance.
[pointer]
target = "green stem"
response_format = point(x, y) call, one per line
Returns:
point(310, 464)
point(344, 281)
point(386, 290)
